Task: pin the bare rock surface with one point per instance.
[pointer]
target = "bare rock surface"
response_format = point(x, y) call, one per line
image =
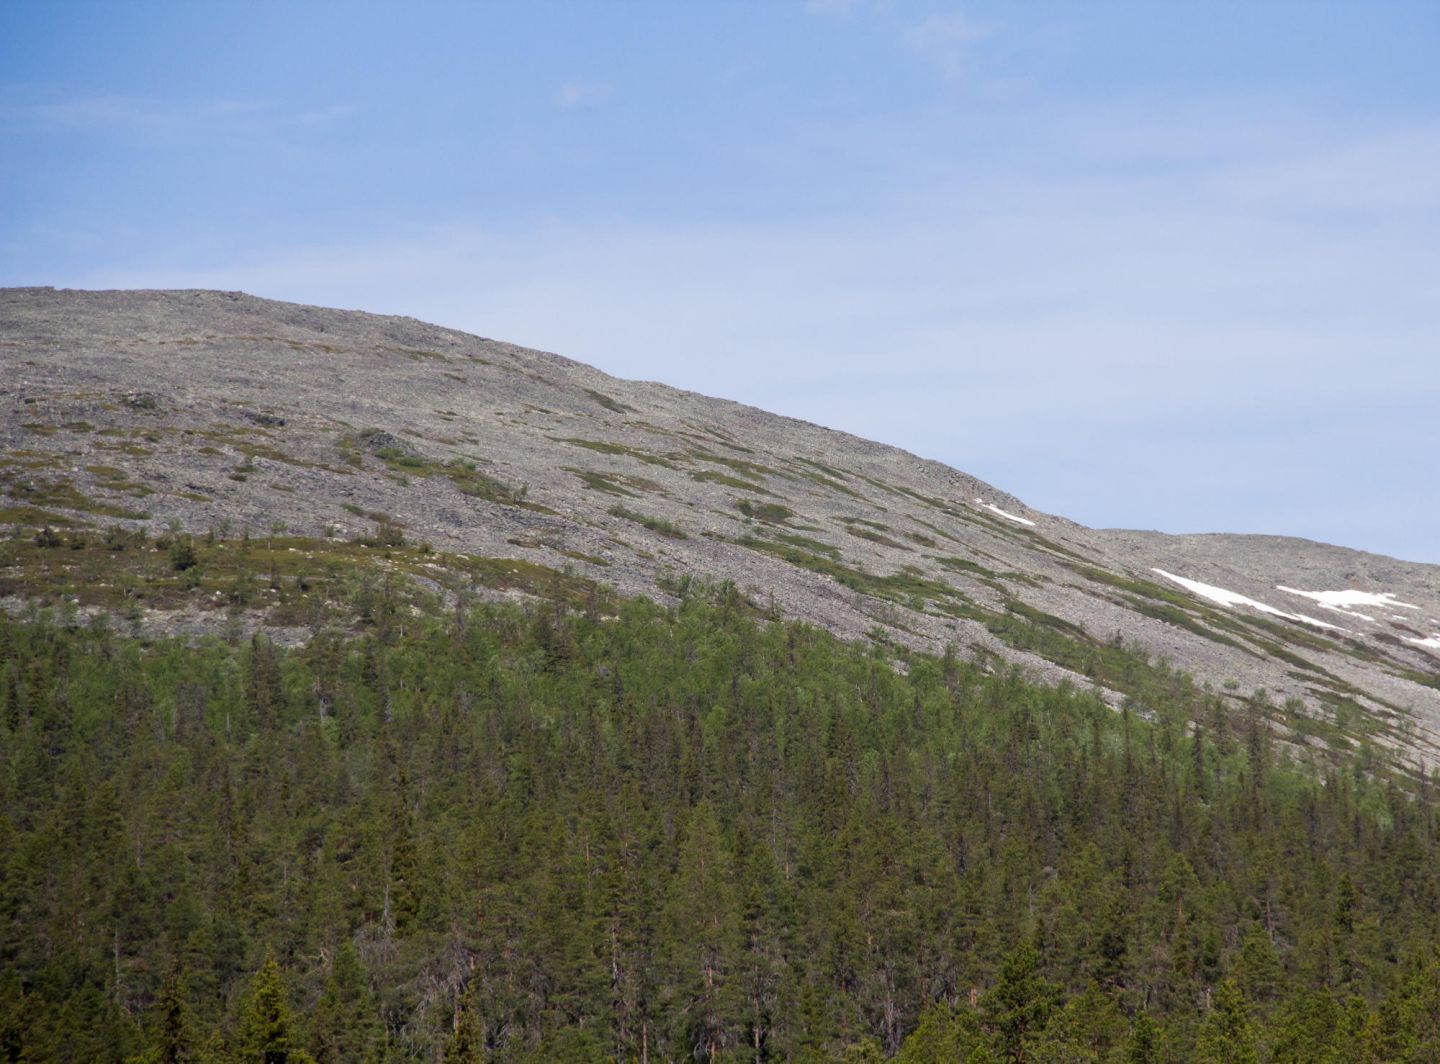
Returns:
point(203, 408)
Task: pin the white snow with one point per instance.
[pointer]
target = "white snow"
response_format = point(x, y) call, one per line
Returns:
point(1234, 598)
point(1433, 643)
point(1340, 601)
point(1348, 613)
point(996, 510)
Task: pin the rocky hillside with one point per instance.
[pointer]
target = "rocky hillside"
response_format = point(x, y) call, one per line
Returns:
point(338, 444)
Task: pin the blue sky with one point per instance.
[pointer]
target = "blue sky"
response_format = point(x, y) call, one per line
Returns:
point(1149, 265)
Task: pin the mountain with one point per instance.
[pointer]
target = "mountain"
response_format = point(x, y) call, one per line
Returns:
point(470, 465)
point(550, 717)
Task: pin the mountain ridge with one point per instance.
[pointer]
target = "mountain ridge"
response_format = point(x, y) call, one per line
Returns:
point(203, 408)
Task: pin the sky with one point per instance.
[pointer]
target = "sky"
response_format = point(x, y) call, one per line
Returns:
point(1142, 264)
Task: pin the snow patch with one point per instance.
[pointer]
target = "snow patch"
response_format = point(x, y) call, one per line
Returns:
point(996, 510)
point(1433, 643)
point(1340, 601)
point(1234, 598)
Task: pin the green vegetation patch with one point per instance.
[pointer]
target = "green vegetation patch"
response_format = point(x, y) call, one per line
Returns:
point(964, 565)
point(603, 447)
point(471, 480)
point(394, 451)
point(1427, 679)
point(873, 531)
point(1182, 618)
point(723, 438)
point(1026, 535)
point(770, 513)
point(60, 493)
point(311, 581)
point(989, 577)
point(608, 403)
point(34, 517)
point(616, 483)
point(806, 543)
point(255, 443)
point(711, 476)
point(126, 447)
point(748, 470)
point(111, 478)
point(1134, 585)
point(826, 477)
point(581, 556)
point(404, 461)
point(665, 528)
point(948, 509)
point(934, 528)
point(901, 586)
point(831, 485)
point(25, 459)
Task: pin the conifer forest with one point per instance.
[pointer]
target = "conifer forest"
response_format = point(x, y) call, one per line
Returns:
point(613, 831)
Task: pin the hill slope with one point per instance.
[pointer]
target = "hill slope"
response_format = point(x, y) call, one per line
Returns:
point(208, 410)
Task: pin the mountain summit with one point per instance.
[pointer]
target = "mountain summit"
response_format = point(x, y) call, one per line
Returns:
point(468, 465)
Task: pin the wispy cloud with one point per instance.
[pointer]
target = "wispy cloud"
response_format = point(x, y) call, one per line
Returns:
point(129, 113)
point(836, 8)
point(320, 115)
point(947, 40)
point(150, 116)
point(1396, 170)
point(581, 94)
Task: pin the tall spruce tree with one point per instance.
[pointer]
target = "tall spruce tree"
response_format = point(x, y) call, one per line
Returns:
point(267, 1032)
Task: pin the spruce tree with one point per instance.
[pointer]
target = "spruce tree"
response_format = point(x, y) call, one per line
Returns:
point(267, 1033)
point(173, 1040)
point(465, 1043)
point(1228, 1035)
point(1143, 1046)
point(345, 1026)
point(1020, 1003)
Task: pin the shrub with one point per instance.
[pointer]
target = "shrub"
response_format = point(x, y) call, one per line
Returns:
point(182, 554)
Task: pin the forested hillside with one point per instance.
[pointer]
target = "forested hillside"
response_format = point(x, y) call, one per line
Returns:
point(632, 833)
point(133, 414)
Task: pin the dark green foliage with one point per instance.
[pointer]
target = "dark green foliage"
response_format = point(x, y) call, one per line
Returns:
point(771, 513)
point(1144, 1044)
point(345, 1026)
point(942, 1032)
point(173, 1039)
point(1228, 1035)
point(687, 834)
point(182, 554)
point(1020, 1003)
point(466, 1043)
point(267, 1032)
point(714, 476)
point(605, 447)
point(614, 483)
point(467, 476)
